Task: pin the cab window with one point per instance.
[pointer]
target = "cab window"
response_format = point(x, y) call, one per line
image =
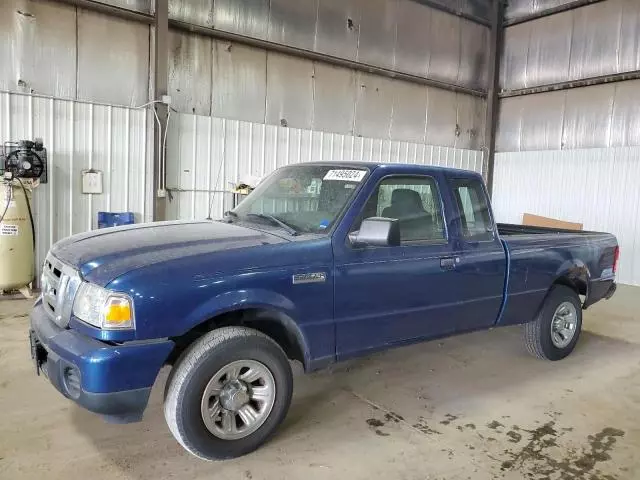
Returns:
point(473, 209)
point(414, 201)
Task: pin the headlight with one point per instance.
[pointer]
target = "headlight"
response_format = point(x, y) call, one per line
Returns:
point(103, 308)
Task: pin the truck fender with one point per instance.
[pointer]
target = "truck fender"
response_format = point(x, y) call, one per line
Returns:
point(276, 308)
point(574, 273)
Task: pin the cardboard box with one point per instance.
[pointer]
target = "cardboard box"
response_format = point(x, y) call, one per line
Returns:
point(538, 221)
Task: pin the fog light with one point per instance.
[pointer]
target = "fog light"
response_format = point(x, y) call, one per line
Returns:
point(71, 377)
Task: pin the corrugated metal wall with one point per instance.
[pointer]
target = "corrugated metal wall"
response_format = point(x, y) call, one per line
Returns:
point(596, 187)
point(244, 83)
point(208, 155)
point(80, 136)
point(401, 35)
point(66, 52)
point(591, 41)
point(605, 115)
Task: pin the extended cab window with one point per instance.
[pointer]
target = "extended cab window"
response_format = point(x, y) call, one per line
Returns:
point(414, 201)
point(471, 200)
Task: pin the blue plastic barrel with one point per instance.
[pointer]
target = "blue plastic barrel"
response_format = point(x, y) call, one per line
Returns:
point(115, 219)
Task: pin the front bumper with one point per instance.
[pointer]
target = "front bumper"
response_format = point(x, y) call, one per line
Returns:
point(112, 380)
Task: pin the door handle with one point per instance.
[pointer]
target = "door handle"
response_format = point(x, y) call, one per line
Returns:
point(447, 263)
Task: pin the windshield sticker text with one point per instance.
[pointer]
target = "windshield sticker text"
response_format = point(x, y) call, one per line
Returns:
point(345, 175)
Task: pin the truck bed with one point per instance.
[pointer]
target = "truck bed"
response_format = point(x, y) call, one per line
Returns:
point(510, 229)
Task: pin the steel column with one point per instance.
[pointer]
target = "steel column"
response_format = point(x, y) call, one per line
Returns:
point(161, 88)
point(493, 100)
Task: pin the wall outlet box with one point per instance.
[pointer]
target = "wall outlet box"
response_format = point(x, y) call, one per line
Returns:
point(91, 181)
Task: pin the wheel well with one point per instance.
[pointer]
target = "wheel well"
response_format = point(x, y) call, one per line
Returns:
point(263, 320)
point(576, 284)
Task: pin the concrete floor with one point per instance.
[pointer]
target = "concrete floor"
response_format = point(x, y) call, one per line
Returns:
point(469, 407)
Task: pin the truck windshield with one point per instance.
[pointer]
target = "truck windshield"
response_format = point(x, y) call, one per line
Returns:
point(304, 198)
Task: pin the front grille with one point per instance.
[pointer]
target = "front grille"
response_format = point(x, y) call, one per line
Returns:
point(59, 286)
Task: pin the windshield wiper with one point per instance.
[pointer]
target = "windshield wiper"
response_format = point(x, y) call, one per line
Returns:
point(292, 231)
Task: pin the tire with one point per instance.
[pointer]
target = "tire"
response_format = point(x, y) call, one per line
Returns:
point(195, 371)
point(540, 339)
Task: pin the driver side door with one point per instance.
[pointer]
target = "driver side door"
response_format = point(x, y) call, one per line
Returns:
point(394, 294)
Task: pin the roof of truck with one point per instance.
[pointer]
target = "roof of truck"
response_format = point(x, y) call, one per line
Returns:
point(374, 165)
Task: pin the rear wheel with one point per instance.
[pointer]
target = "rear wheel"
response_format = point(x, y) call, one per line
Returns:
point(228, 393)
point(555, 331)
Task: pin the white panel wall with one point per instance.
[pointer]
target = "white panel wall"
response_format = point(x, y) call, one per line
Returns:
point(207, 156)
point(597, 187)
point(80, 136)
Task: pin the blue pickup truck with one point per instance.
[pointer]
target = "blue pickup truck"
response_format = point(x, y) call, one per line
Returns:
point(321, 263)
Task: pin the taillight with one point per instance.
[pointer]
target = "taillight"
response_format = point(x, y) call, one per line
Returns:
point(616, 257)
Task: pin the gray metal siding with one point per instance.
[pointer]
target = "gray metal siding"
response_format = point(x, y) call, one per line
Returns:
point(113, 60)
point(245, 83)
point(80, 136)
point(590, 117)
point(212, 154)
point(66, 52)
point(597, 187)
point(599, 39)
point(38, 48)
point(401, 35)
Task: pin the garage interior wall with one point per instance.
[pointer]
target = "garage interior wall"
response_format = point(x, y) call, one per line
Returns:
point(253, 110)
point(70, 77)
point(569, 124)
point(76, 77)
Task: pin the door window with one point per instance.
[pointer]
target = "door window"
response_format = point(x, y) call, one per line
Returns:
point(414, 201)
point(473, 209)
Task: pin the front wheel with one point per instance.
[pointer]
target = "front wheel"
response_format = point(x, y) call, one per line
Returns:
point(228, 393)
point(555, 331)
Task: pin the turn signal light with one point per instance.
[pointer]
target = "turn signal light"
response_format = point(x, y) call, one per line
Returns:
point(117, 313)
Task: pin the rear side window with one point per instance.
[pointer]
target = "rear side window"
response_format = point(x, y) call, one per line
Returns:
point(473, 209)
point(414, 201)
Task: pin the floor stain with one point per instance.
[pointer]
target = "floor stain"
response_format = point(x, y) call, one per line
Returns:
point(494, 425)
point(514, 436)
point(535, 461)
point(448, 418)
point(424, 427)
point(393, 417)
point(374, 422)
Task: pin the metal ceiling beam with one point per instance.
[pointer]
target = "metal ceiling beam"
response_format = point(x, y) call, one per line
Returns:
point(493, 100)
point(321, 57)
point(585, 82)
point(111, 10)
point(550, 11)
point(453, 11)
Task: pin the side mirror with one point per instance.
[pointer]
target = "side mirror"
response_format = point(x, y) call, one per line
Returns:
point(377, 232)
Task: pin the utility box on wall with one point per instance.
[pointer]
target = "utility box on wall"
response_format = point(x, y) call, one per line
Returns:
point(91, 181)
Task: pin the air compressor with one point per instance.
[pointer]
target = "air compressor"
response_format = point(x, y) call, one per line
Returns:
point(23, 166)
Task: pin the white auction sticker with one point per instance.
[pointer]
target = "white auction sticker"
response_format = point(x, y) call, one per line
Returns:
point(8, 230)
point(345, 175)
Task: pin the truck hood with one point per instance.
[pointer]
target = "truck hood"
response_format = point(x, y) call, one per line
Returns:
point(103, 255)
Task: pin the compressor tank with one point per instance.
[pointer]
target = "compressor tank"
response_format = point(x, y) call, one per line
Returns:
point(16, 238)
